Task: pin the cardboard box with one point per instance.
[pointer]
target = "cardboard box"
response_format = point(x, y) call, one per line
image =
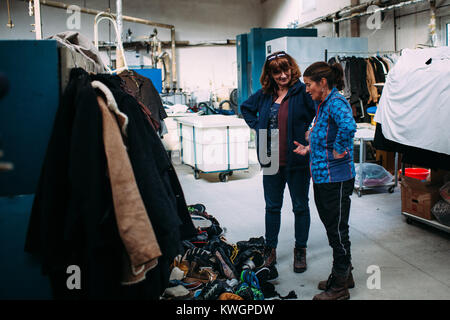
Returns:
point(419, 196)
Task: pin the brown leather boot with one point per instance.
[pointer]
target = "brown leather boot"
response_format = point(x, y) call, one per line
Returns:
point(270, 256)
point(299, 260)
point(336, 289)
point(350, 282)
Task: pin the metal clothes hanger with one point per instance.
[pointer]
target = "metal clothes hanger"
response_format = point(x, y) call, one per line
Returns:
point(119, 51)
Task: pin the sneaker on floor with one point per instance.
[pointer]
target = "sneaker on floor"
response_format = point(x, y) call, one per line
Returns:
point(204, 275)
point(252, 243)
point(248, 292)
point(200, 240)
point(263, 275)
point(212, 290)
point(194, 285)
point(198, 207)
point(226, 267)
point(229, 296)
point(202, 257)
point(273, 274)
point(177, 293)
point(200, 222)
point(249, 258)
point(250, 278)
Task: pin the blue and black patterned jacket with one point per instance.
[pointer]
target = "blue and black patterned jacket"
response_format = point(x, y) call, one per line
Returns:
point(333, 128)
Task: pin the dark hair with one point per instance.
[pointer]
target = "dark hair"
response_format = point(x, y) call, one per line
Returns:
point(333, 73)
point(279, 61)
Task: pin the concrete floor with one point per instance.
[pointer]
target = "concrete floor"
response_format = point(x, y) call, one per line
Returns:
point(413, 259)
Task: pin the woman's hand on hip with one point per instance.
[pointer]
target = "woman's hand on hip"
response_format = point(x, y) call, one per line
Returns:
point(301, 149)
point(339, 156)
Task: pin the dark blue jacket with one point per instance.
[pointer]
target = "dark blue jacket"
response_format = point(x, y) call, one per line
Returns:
point(301, 112)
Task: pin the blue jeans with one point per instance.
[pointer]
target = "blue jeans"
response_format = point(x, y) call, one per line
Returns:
point(298, 183)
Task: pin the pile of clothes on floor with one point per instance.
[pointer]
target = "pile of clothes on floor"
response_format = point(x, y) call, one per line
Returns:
point(211, 268)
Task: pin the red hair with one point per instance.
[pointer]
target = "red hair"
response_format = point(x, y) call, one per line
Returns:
point(281, 63)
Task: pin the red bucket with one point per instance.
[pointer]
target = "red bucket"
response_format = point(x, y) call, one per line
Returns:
point(417, 173)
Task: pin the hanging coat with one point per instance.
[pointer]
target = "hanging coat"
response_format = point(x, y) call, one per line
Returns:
point(73, 221)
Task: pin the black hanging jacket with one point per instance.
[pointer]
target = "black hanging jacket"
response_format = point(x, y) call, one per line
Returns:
point(73, 221)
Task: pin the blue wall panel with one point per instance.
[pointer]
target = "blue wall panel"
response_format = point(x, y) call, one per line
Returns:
point(27, 112)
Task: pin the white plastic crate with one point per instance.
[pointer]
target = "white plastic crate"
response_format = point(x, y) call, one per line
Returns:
point(214, 143)
point(171, 140)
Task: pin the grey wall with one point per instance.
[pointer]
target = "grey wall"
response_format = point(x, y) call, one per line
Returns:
point(194, 20)
point(411, 22)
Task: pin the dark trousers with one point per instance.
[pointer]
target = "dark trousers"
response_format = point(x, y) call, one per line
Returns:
point(333, 204)
point(274, 185)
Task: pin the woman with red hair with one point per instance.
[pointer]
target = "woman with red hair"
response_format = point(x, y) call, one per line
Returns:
point(281, 113)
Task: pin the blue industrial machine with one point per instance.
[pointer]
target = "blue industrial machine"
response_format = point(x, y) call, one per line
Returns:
point(27, 113)
point(251, 53)
point(28, 110)
point(154, 75)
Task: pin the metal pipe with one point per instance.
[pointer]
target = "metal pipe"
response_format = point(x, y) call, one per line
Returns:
point(119, 18)
point(173, 72)
point(340, 13)
point(129, 19)
point(351, 10)
point(395, 31)
point(120, 54)
point(393, 6)
point(61, 5)
point(37, 20)
point(358, 7)
point(9, 24)
point(312, 23)
point(432, 25)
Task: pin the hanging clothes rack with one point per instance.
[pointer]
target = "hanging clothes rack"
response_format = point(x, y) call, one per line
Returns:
point(360, 136)
point(120, 52)
point(361, 54)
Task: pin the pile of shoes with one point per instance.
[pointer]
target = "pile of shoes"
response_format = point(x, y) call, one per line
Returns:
point(211, 268)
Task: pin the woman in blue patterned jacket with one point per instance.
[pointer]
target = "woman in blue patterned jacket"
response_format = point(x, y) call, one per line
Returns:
point(332, 170)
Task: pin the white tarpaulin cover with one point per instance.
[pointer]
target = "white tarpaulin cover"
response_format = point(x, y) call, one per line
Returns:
point(414, 108)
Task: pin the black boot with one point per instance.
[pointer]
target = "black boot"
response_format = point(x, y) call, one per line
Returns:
point(350, 281)
point(299, 260)
point(336, 288)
